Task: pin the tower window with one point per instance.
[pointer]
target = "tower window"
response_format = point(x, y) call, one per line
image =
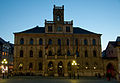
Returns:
point(58, 18)
point(49, 28)
point(67, 29)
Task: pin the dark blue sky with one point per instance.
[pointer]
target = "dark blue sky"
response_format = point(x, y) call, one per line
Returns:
point(100, 16)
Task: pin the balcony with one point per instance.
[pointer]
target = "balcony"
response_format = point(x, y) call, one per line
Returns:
point(68, 22)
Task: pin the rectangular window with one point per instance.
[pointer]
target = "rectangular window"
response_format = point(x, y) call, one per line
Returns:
point(67, 29)
point(59, 29)
point(49, 28)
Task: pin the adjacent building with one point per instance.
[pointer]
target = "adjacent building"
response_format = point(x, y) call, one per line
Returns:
point(111, 57)
point(6, 53)
point(58, 49)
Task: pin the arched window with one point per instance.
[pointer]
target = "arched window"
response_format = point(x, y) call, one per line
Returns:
point(31, 41)
point(21, 53)
point(76, 42)
point(40, 66)
point(67, 42)
point(77, 53)
point(21, 41)
point(68, 53)
point(50, 53)
point(94, 42)
point(69, 66)
point(59, 42)
point(94, 54)
point(30, 66)
point(50, 42)
point(40, 53)
point(86, 53)
point(31, 53)
point(85, 42)
point(50, 66)
point(40, 41)
point(20, 66)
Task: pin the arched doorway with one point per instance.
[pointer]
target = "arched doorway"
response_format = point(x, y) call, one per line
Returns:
point(60, 69)
point(50, 69)
point(111, 70)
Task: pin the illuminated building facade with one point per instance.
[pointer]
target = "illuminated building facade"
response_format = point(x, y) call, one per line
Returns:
point(6, 55)
point(58, 49)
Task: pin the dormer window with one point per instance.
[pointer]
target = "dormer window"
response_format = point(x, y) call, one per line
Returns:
point(67, 29)
point(58, 18)
point(49, 28)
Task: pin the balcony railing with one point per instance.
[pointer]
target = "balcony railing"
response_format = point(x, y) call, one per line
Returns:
point(68, 22)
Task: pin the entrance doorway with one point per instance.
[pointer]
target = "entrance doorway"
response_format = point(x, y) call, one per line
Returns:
point(50, 69)
point(60, 69)
point(111, 70)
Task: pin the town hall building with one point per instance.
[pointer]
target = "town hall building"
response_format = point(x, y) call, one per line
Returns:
point(58, 49)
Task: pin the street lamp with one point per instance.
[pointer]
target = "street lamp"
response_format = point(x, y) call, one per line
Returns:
point(74, 64)
point(4, 68)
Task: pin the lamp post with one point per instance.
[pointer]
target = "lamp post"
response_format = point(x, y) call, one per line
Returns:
point(74, 64)
point(4, 67)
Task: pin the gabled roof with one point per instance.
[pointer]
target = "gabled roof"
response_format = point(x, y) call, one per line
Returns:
point(76, 30)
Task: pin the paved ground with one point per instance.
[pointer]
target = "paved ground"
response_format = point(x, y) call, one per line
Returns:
point(55, 80)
